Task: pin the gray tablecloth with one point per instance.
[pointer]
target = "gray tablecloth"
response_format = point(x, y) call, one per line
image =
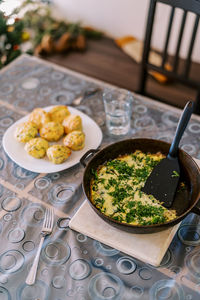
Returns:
point(73, 266)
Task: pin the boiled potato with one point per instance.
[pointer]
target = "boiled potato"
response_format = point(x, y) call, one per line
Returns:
point(57, 154)
point(37, 147)
point(75, 140)
point(71, 123)
point(58, 113)
point(52, 131)
point(39, 117)
point(25, 132)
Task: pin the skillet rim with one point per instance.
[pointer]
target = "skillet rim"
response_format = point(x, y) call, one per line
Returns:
point(142, 227)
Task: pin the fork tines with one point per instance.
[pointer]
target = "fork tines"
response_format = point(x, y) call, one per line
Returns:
point(48, 219)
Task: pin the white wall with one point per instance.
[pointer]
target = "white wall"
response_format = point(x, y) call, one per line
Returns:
point(126, 17)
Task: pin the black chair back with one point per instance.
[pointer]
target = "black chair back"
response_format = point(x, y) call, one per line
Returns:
point(183, 77)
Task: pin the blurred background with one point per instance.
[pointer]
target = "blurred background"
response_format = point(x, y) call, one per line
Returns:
point(103, 39)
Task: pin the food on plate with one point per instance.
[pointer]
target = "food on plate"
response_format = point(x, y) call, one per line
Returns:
point(43, 127)
point(58, 113)
point(39, 116)
point(71, 123)
point(116, 190)
point(37, 147)
point(24, 132)
point(57, 154)
point(75, 140)
point(52, 131)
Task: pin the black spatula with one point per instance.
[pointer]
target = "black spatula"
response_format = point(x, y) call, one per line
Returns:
point(163, 180)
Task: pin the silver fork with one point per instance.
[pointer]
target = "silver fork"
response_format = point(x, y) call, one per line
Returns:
point(87, 94)
point(46, 230)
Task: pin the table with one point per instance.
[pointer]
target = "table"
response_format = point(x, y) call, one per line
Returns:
point(73, 266)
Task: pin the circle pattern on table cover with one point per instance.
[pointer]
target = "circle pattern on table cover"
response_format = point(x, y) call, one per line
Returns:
point(6, 122)
point(140, 109)
point(56, 252)
point(11, 203)
point(169, 119)
point(7, 217)
point(166, 289)
point(81, 238)
point(63, 223)
point(30, 83)
point(144, 122)
point(80, 269)
point(32, 215)
point(145, 273)
point(194, 128)
point(45, 91)
point(3, 279)
point(189, 234)
point(24, 104)
point(21, 173)
point(31, 292)
point(61, 193)
point(98, 262)
point(56, 75)
point(11, 261)
point(137, 291)
point(73, 84)
point(19, 185)
point(189, 148)
point(42, 183)
point(28, 246)
point(58, 282)
point(6, 89)
point(16, 235)
point(5, 111)
point(54, 176)
point(104, 250)
point(62, 98)
point(21, 94)
point(192, 262)
point(106, 286)
point(5, 295)
point(126, 265)
point(166, 259)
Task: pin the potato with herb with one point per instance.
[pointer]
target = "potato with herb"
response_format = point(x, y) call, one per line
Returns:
point(75, 140)
point(37, 147)
point(71, 123)
point(52, 131)
point(39, 117)
point(58, 113)
point(57, 154)
point(24, 132)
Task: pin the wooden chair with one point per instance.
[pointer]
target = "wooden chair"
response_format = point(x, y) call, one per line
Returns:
point(183, 77)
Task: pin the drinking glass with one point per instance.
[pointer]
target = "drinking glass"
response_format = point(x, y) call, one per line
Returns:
point(118, 109)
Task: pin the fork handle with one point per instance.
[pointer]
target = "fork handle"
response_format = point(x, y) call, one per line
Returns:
point(30, 280)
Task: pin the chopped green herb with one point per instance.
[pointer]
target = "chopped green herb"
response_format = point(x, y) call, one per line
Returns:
point(175, 174)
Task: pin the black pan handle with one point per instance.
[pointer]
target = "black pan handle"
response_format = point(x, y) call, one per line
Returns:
point(196, 208)
point(85, 156)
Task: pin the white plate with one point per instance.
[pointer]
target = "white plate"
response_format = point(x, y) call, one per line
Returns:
point(15, 150)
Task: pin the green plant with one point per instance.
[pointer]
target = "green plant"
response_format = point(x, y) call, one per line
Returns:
point(10, 39)
point(34, 22)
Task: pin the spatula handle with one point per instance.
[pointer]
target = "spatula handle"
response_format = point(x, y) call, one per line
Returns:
point(182, 124)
